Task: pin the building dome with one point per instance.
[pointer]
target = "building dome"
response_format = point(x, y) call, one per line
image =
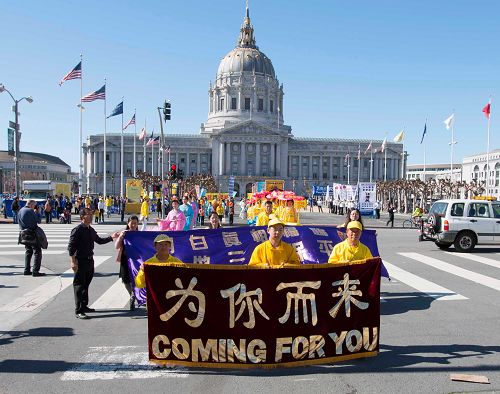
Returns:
point(242, 59)
point(245, 87)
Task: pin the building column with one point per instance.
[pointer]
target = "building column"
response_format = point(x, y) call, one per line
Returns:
point(228, 158)
point(198, 163)
point(93, 158)
point(221, 158)
point(330, 178)
point(300, 167)
point(341, 170)
point(273, 157)
point(310, 167)
point(257, 159)
point(243, 164)
point(278, 159)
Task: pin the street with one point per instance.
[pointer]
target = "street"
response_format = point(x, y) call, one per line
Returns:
point(440, 315)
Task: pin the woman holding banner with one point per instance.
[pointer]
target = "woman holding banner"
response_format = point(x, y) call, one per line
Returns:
point(353, 215)
point(121, 257)
point(214, 221)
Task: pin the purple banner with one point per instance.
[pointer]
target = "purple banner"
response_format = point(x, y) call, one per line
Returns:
point(234, 246)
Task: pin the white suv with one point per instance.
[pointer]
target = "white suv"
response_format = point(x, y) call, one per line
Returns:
point(462, 223)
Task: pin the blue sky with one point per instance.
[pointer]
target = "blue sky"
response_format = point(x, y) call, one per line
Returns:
point(349, 69)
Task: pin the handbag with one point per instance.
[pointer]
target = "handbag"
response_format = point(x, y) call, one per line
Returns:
point(27, 237)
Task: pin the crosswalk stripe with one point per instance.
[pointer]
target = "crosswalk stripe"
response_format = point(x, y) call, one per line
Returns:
point(14, 239)
point(48, 234)
point(431, 289)
point(119, 362)
point(41, 294)
point(116, 297)
point(446, 267)
point(51, 245)
point(21, 252)
point(23, 308)
point(479, 259)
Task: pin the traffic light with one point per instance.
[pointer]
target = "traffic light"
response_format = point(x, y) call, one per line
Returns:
point(173, 171)
point(166, 111)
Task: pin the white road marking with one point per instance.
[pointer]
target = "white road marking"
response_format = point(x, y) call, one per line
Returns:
point(479, 259)
point(27, 305)
point(120, 362)
point(450, 268)
point(22, 246)
point(20, 252)
point(116, 297)
point(431, 289)
point(13, 240)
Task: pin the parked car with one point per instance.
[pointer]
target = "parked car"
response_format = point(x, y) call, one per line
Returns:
point(462, 223)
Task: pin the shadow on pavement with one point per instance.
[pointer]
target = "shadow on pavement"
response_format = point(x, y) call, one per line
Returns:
point(397, 303)
point(394, 359)
point(9, 336)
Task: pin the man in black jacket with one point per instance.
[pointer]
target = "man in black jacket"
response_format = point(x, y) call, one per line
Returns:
point(81, 251)
point(28, 221)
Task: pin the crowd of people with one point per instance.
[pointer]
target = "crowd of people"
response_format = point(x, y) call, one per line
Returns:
point(181, 215)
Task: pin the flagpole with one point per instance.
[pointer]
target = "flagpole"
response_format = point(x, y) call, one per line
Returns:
point(424, 163)
point(144, 146)
point(80, 191)
point(152, 155)
point(135, 137)
point(371, 164)
point(453, 142)
point(403, 161)
point(104, 167)
point(488, 154)
point(121, 154)
point(348, 169)
point(359, 162)
point(423, 136)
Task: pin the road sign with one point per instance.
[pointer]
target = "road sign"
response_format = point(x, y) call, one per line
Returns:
point(10, 141)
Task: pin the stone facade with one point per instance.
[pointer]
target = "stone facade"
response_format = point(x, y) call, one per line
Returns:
point(245, 136)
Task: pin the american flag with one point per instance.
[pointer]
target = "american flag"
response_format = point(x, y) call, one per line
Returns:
point(76, 73)
point(97, 95)
point(132, 121)
point(142, 135)
point(153, 141)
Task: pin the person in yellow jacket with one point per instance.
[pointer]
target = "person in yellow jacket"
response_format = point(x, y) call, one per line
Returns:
point(264, 217)
point(163, 243)
point(351, 249)
point(289, 214)
point(109, 204)
point(274, 251)
point(145, 211)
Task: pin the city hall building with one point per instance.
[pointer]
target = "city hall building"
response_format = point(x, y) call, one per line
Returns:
point(245, 136)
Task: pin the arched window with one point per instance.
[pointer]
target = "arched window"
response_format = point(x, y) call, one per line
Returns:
point(497, 174)
point(475, 173)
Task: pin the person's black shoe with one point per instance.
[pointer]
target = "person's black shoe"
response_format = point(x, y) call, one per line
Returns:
point(87, 309)
point(38, 273)
point(28, 273)
point(132, 303)
point(82, 316)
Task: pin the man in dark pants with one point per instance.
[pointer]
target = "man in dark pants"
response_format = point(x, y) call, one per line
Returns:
point(28, 220)
point(81, 251)
point(391, 216)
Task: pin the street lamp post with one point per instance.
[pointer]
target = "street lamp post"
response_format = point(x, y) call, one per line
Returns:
point(17, 135)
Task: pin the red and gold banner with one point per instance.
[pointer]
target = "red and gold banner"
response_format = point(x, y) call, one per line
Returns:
point(246, 317)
